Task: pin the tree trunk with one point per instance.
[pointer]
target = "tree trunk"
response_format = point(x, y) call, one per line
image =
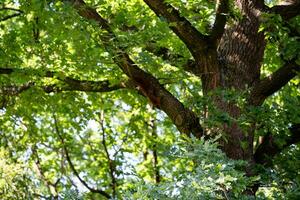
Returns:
point(239, 56)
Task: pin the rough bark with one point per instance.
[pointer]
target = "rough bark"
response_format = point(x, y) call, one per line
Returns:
point(240, 54)
point(229, 57)
point(234, 62)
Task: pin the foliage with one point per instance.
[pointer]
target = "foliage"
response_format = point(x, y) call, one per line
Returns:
point(73, 125)
point(197, 170)
point(282, 183)
point(15, 181)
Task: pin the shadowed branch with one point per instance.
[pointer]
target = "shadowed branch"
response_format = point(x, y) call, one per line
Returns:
point(274, 82)
point(269, 148)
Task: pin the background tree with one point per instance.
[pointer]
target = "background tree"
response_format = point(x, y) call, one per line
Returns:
point(97, 96)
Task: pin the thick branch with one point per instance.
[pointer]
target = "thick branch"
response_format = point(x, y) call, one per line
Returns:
point(90, 86)
point(194, 40)
point(185, 120)
point(268, 148)
point(93, 190)
point(273, 83)
point(220, 22)
point(287, 11)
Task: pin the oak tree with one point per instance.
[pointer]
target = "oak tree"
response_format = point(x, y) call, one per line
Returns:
point(91, 87)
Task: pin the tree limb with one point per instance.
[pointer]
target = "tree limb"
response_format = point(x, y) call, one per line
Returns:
point(9, 17)
point(93, 190)
point(13, 90)
point(220, 21)
point(68, 84)
point(268, 148)
point(85, 86)
point(273, 83)
point(194, 40)
point(286, 11)
point(19, 12)
point(185, 120)
point(6, 70)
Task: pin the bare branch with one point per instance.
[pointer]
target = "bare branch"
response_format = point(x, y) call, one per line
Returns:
point(194, 40)
point(220, 22)
point(269, 148)
point(185, 120)
point(13, 90)
point(93, 190)
point(273, 83)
